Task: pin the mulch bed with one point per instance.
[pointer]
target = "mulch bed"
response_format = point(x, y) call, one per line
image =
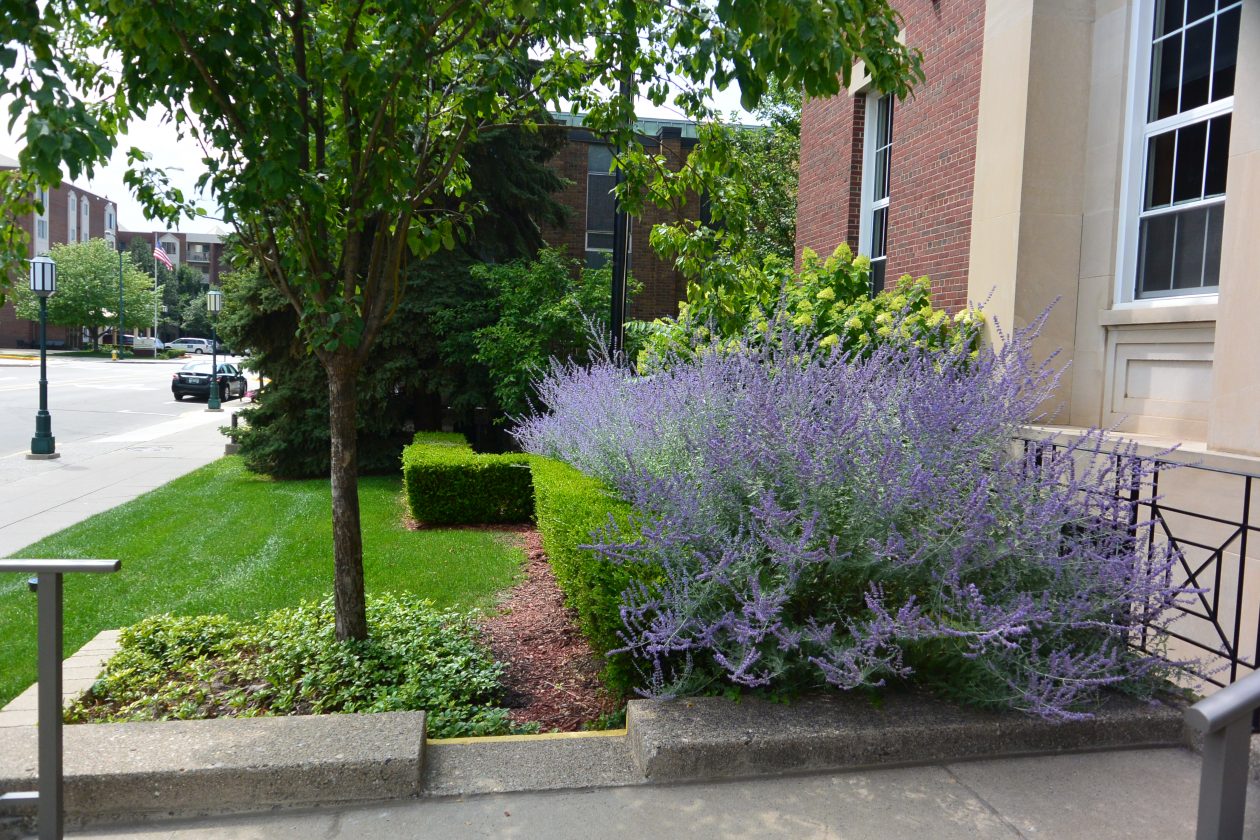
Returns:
point(552, 676)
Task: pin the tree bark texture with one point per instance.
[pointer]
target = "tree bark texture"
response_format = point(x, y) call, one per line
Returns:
point(347, 536)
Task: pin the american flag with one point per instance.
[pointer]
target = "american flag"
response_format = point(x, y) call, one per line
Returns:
point(160, 256)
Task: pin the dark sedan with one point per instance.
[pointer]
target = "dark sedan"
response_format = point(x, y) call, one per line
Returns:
point(193, 380)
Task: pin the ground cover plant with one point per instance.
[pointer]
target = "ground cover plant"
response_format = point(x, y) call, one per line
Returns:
point(854, 519)
point(288, 662)
point(222, 540)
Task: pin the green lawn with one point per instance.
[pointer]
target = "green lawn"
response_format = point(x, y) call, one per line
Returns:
point(224, 540)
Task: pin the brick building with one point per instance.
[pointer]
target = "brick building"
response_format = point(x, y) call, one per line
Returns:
point(1104, 154)
point(70, 214)
point(202, 251)
point(914, 215)
point(584, 163)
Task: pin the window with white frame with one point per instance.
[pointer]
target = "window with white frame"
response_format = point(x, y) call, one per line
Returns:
point(109, 218)
point(601, 204)
point(41, 220)
point(1188, 49)
point(876, 172)
point(72, 217)
point(85, 219)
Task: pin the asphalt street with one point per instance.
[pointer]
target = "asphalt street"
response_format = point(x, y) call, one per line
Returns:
point(91, 398)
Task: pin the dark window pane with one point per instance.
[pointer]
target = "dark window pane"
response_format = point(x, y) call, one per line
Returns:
point(1196, 9)
point(598, 158)
point(879, 233)
point(1165, 78)
point(883, 121)
point(1196, 72)
point(1168, 16)
point(1191, 149)
point(1226, 54)
point(1155, 253)
point(877, 275)
point(1212, 245)
point(597, 259)
point(1188, 264)
point(599, 241)
point(601, 206)
point(1217, 156)
point(880, 190)
point(1159, 170)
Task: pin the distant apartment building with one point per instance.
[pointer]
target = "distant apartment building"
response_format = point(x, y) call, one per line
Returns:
point(70, 214)
point(1104, 154)
point(585, 162)
point(202, 251)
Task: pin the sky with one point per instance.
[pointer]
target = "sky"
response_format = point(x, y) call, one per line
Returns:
point(182, 162)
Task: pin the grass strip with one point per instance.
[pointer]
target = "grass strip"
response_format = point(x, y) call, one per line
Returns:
point(223, 540)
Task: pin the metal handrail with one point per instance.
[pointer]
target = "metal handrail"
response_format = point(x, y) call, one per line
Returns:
point(1224, 720)
point(47, 583)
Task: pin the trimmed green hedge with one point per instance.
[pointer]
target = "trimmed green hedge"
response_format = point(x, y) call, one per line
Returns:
point(570, 507)
point(449, 484)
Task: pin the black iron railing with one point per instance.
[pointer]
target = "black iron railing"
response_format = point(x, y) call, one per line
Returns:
point(1209, 526)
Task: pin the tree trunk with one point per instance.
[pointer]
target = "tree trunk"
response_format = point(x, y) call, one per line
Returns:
point(347, 536)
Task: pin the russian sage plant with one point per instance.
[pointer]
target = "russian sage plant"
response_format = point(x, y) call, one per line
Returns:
point(825, 519)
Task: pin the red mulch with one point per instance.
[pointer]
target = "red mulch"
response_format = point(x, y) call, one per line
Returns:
point(552, 677)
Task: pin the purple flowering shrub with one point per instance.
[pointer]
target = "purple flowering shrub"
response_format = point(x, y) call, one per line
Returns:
point(821, 519)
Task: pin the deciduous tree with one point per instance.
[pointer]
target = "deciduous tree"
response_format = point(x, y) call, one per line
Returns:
point(87, 290)
point(335, 132)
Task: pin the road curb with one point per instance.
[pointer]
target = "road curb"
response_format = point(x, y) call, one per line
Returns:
point(709, 738)
point(124, 771)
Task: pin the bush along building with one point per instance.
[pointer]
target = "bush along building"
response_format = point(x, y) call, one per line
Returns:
point(1101, 157)
point(70, 214)
point(585, 162)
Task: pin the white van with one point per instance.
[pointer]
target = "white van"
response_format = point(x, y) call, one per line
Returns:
point(192, 345)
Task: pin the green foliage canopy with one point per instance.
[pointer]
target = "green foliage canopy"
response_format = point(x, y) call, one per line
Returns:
point(830, 299)
point(335, 132)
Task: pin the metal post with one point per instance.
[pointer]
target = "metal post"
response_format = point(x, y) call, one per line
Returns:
point(1224, 720)
point(621, 251)
point(1223, 782)
point(213, 404)
point(118, 337)
point(49, 799)
point(51, 785)
point(43, 445)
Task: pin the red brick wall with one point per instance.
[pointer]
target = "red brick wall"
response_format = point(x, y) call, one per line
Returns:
point(663, 287)
point(19, 332)
point(933, 156)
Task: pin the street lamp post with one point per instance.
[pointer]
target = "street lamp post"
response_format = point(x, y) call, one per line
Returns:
point(214, 303)
point(43, 284)
point(119, 349)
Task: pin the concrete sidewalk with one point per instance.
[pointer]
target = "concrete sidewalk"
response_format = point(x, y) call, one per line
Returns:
point(38, 498)
point(1146, 794)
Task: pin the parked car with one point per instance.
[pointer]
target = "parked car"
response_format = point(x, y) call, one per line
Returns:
point(194, 345)
point(193, 380)
point(107, 340)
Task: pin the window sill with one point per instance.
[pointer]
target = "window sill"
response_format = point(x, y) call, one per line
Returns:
point(1163, 313)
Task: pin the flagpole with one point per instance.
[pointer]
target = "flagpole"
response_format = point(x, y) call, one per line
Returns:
point(155, 296)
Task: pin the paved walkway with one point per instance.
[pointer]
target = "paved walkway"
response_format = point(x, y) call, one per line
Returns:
point(38, 498)
point(1146, 795)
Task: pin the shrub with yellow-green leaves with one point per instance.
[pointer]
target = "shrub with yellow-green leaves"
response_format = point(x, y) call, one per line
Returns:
point(829, 299)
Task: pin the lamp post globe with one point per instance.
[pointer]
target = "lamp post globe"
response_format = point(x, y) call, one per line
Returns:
point(43, 284)
point(214, 304)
